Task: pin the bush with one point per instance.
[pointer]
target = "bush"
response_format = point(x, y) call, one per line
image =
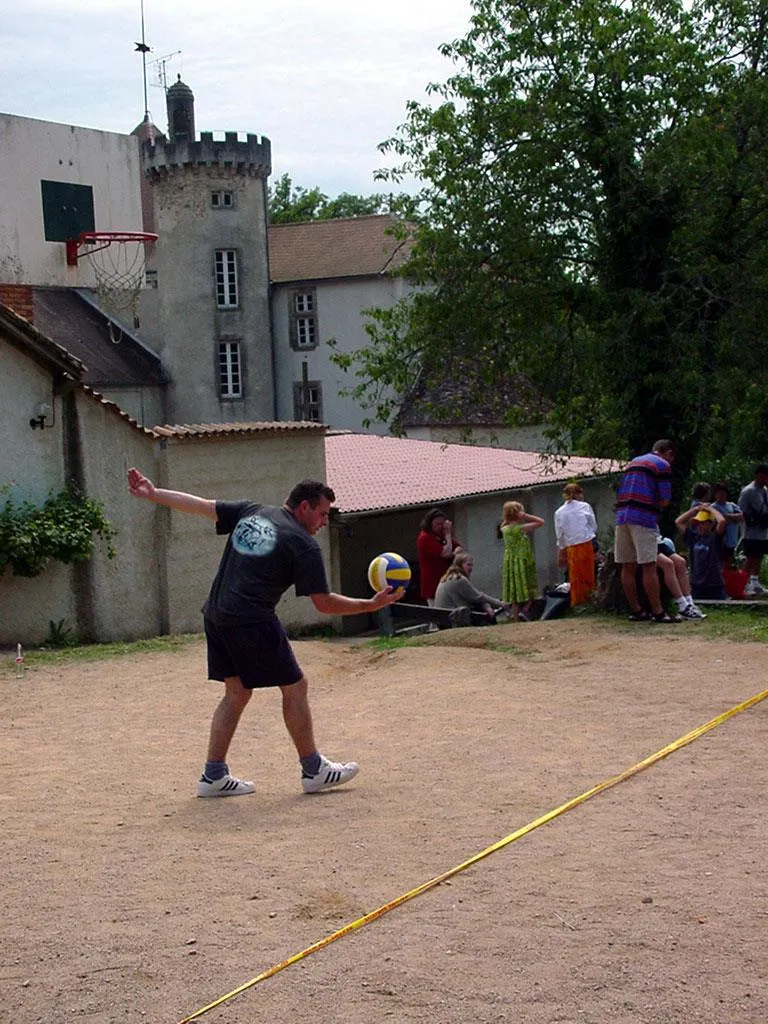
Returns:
point(62, 530)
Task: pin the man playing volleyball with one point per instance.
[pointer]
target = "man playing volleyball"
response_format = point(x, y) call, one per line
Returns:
point(269, 549)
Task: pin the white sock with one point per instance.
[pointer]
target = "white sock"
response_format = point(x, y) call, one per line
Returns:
point(688, 599)
point(682, 602)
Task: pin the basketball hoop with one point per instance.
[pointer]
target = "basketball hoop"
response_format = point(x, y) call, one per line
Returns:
point(118, 260)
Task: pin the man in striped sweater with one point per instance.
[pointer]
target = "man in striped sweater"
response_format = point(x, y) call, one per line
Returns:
point(644, 491)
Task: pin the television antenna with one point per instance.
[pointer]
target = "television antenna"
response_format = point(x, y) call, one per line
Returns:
point(161, 64)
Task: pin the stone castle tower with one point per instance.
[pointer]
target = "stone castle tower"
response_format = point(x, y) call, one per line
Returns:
point(213, 328)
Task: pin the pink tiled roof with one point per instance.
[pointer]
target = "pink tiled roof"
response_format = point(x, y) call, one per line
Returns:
point(369, 472)
point(346, 247)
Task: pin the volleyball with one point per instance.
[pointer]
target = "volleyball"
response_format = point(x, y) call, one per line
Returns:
point(389, 570)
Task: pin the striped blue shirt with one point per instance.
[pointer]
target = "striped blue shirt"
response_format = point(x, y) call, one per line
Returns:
point(644, 489)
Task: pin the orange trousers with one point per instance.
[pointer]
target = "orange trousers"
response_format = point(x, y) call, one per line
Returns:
point(581, 571)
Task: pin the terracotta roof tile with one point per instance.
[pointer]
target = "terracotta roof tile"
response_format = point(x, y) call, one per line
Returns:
point(368, 472)
point(115, 409)
point(189, 431)
point(346, 247)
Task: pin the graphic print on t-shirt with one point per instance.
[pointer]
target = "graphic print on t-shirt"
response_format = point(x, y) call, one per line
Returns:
point(255, 535)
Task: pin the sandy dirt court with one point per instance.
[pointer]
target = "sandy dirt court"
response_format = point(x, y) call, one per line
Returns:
point(125, 898)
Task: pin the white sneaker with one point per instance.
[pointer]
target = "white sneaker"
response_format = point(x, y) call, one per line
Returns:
point(692, 612)
point(226, 786)
point(754, 589)
point(330, 773)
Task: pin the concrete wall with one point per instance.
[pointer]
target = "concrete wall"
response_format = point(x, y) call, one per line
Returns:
point(99, 598)
point(165, 561)
point(31, 151)
point(145, 405)
point(118, 598)
point(30, 468)
point(339, 316)
point(30, 460)
point(189, 325)
point(476, 520)
point(262, 467)
point(356, 540)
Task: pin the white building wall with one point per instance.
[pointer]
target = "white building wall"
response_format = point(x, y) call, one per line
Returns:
point(33, 150)
point(340, 306)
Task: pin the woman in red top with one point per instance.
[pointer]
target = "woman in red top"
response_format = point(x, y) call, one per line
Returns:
point(435, 546)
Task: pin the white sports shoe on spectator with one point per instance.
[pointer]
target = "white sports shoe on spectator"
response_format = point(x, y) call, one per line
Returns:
point(754, 589)
point(226, 786)
point(692, 612)
point(330, 773)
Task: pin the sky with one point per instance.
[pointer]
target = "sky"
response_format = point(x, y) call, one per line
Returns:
point(326, 83)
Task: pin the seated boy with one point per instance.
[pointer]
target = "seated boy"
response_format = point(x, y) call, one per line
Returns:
point(674, 569)
point(703, 527)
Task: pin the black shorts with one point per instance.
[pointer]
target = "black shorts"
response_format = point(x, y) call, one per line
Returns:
point(258, 653)
point(754, 548)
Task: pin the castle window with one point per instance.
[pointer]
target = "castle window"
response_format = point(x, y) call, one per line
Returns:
point(222, 200)
point(225, 267)
point(304, 319)
point(230, 377)
point(308, 401)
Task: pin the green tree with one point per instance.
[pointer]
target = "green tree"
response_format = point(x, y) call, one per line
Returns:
point(594, 215)
point(289, 203)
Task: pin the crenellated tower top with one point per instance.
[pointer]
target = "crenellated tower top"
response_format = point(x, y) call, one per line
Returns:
point(252, 157)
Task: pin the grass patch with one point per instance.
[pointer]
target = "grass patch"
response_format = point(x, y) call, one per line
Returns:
point(509, 649)
point(739, 624)
point(744, 625)
point(388, 643)
point(477, 638)
point(37, 657)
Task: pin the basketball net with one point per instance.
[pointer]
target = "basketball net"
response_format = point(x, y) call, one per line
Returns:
point(119, 268)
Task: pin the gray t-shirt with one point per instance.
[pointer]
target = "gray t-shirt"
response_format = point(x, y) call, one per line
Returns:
point(753, 502)
point(267, 552)
point(460, 593)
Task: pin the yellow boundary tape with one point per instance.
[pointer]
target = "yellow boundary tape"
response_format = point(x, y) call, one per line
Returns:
point(537, 823)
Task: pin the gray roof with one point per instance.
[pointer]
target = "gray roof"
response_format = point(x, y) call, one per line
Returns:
point(76, 324)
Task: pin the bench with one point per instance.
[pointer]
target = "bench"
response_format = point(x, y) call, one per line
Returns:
point(421, 617)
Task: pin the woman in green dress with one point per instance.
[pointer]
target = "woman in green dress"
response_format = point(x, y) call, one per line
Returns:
point(519, 583)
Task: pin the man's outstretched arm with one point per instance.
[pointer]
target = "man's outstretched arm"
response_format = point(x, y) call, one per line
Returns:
point(141, 486)
point(339, 604)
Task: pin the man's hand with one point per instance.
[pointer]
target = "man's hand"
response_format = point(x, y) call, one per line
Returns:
point(140, 486)
point(384, 597)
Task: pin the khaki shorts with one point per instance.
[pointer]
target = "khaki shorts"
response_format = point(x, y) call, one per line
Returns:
point(635, 544)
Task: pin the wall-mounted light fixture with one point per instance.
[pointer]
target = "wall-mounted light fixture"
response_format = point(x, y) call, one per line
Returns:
point(42, 412)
